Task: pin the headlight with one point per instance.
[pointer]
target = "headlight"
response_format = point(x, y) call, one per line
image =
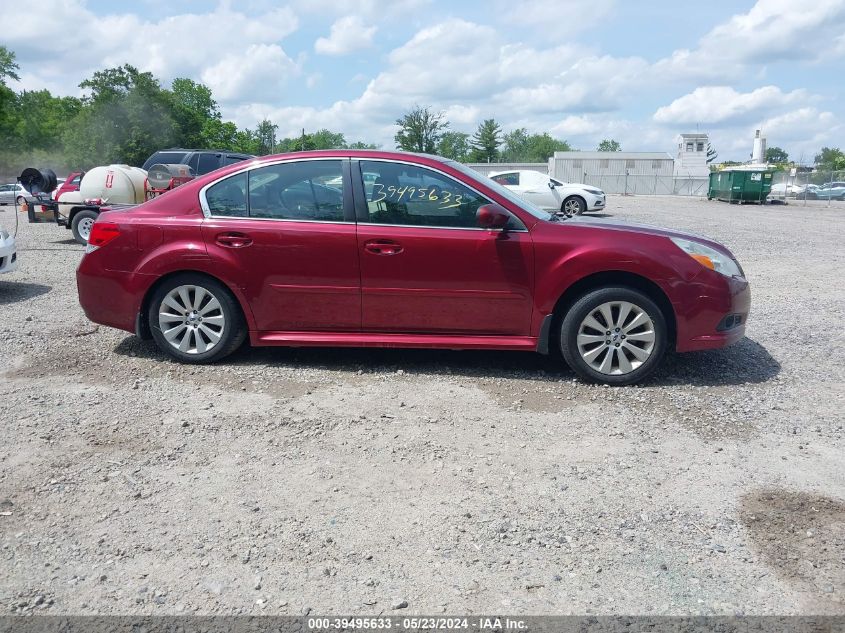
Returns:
point(595, 192)
point(709, 257)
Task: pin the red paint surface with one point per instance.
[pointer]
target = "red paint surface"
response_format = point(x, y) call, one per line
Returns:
point(359, 284)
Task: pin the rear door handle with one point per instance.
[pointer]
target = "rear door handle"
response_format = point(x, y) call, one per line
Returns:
point(233, 239)
point(383, 247)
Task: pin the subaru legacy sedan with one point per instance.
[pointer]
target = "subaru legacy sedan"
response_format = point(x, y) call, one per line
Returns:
point(389, 249)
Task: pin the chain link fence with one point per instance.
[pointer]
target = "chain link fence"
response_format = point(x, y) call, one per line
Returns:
point(798, 186)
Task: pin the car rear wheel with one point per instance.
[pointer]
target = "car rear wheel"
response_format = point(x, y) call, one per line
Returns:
point(573, 205)
point(614, 335)
point(195, 319)
point(81, 225)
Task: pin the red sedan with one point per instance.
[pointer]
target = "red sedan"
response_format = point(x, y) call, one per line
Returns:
point(389, 249)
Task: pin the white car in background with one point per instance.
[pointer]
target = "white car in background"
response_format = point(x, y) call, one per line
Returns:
point(8, 253)
point(566, 198)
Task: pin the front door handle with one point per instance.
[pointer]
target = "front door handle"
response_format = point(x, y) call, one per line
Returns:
point(233, 239)
point(383, 247)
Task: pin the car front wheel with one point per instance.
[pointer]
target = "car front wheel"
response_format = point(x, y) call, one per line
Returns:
point(573, 205)
point(614, 335)
point(195, 319)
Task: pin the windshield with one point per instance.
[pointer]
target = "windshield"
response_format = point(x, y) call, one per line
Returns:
point(537, 212)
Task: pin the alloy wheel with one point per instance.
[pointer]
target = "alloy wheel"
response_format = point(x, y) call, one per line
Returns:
point(191, 319)
point(616, 338)
point(571, 207)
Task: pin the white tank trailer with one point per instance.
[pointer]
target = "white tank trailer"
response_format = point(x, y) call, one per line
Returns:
point(110, 184)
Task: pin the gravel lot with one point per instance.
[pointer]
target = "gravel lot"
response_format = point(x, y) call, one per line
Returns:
point(365, 481)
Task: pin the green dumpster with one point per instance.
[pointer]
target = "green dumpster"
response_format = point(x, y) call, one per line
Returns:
point(740, 185)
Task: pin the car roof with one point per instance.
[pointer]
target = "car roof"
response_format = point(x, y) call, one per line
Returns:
point(357, 153)
point(208, 151)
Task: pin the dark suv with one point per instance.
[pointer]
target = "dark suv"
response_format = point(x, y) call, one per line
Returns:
point(201, 161)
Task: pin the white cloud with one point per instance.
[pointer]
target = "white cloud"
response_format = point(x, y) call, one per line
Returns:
point(718, 104)
point(771, 31)
point(348, 34)
point(187, 45)
point(258, 73)
point(548, 14)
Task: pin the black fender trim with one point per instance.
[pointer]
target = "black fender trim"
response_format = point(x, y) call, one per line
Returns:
point(543, 338)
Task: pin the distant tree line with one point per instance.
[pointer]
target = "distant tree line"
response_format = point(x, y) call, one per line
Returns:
point(125, 116)
point(423, 130)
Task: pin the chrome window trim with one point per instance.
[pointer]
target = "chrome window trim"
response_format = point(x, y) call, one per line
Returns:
point(253, 165)
point(451, 177)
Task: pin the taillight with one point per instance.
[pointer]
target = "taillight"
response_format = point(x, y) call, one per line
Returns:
point(101, 234)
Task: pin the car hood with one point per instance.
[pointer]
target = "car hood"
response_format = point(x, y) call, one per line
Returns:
point(642, 229)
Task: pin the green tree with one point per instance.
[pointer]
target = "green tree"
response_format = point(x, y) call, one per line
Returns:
point(830, 159)
point(515, 146)
point(362, 145)
point(126, 117)
point(194, 108)
point(454, 145)
point(8, 111)
point(541, 147)
point(420, 130)
point(712, 154)
point(41, 119)
point(266, 134)
point(8, 65)
point(521, 147)
point(326, 139)
point(776, 155)
point(609, 145)
point(486, 142)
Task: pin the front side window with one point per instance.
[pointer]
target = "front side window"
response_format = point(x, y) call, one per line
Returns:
point(415, 196)
point(304, 190)
point(511, 179)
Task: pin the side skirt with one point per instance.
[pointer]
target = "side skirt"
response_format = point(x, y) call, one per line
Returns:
point(378, 339)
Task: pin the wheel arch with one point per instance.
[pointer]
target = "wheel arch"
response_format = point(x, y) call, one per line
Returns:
point(142, 324)
point(76, 210)
point(615, 278)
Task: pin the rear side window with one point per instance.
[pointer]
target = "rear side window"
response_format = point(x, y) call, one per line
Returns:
point(415, 196)
point(231, 160)
point(228, 197)
point(507, 179)
point(207, 163)
point(307, 190)
point(166, 158)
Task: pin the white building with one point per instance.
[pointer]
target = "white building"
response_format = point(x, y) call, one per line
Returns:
point(616, 172)
point(691, 161)
point(692, 173)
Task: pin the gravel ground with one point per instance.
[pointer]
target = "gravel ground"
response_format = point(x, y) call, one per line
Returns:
point(366, 481)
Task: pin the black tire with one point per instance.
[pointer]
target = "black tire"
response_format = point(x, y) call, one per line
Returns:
point(573, 201)
point(589, 303)
point(233, 331)
point(20, 200)
point(80, 225)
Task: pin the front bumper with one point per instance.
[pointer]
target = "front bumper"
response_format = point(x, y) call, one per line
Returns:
point(594, 202)
point(719, 318)
point(8, 255)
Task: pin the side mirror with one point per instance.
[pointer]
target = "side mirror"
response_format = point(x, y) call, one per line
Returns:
point(551, 184)
point(492, 216)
